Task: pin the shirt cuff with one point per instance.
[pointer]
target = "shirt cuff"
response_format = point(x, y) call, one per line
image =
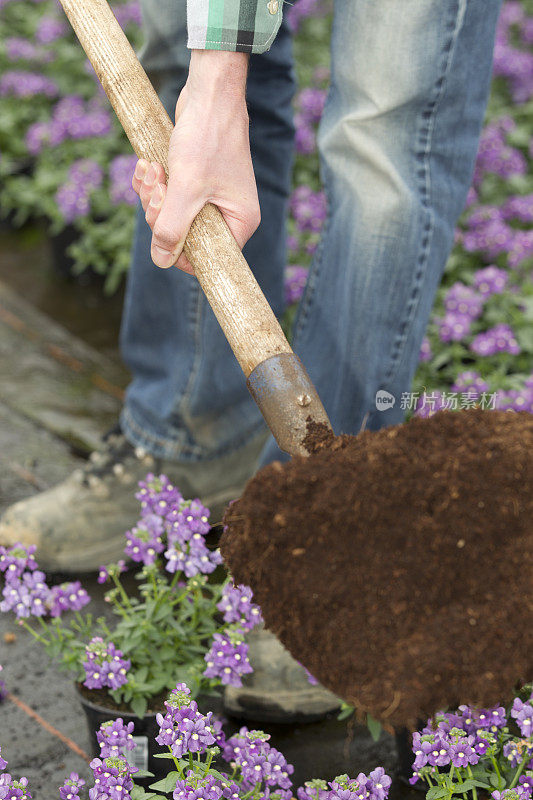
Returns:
point(242, 26)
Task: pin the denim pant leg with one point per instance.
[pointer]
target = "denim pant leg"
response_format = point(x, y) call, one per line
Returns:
point(188, 398)
point(398, 140)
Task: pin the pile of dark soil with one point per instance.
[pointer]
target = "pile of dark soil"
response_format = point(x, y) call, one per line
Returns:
point(398, 565)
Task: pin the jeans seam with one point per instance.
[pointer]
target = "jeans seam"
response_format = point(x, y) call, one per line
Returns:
point(196, 324)
point(424, 189)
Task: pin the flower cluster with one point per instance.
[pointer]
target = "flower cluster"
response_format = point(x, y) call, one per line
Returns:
point(73, 197)
point(182, 728)
point(72, 118)
point(112, 778)
point(475, 744)
point(19, 83)
point(26, 591)
point(258, 762)
point(237, 606)
point(227, 660)
point(104, 665)
point(295, 280)
point(121, 172)
point(10, 788)
point(71, 787)
point(115, 738)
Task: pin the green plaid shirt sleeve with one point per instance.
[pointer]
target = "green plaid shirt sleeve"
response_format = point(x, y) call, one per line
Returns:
point(243, 26)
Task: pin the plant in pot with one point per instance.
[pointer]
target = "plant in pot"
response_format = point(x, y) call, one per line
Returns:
point(177, 624)
point(200, 764)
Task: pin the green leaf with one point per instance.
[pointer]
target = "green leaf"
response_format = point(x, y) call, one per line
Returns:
point(436, 792)
point(139, 706)
point(374, 727)
point(138, 793)
point(168, 783)
point(496, 781)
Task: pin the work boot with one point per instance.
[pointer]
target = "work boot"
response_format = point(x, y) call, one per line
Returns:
point(278, 690)
point(80, 523)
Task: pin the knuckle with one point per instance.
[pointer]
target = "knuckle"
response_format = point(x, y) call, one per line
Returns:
point(165, 236)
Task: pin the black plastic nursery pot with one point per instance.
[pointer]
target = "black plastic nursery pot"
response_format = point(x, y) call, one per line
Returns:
point(144, 733)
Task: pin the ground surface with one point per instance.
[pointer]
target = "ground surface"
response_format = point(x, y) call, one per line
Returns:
point(60, 390)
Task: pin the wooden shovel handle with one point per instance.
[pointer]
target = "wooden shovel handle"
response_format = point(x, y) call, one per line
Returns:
point(226, 279)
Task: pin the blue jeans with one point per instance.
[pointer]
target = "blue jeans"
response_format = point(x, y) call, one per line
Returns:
point(397, 142)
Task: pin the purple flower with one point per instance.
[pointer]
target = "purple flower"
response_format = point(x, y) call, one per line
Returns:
point(71, 787)
point(295, 280)
point(462, 752)
point(66, 597)
point(453, 327)
point(112, 779)
point(315, 789)
point(513, 752)
point(3, 762)
point(72, 201)
point(26, 596)
point(425, 350)
point(158, 496)
point(18, 48)
point(103, 575)
point(305, 138)
point(464, 301)
point(195, 788)
point(523, 714)
point(470, 381)
point(499, 339)
point(144, 541)
point(37, 136)
point(121, 172)
point(308, 209)
point(521, 248)
point(17, 559)
point(429, 404)
point(105, 666)
point(311, 103)
point(50, 29)
point(518, 207)
point(114, 738)
point(128, 13)
point(182, 727)
point(490, 280)
point(26, 84)
point(303, 9)
point(227, 661)
point(236, 606)
point(379, 784)
point(258, 761)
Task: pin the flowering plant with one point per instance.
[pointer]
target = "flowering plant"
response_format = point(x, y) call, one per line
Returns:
point(55, 117)
point(255, 769)
point(177, 625)
point(486, 749)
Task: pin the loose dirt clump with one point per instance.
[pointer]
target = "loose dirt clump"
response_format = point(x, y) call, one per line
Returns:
point(398, 565)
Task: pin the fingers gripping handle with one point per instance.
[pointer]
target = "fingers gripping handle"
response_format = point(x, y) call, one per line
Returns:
point(226, 279)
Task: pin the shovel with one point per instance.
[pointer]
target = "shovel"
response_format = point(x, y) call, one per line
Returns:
point(274, 374)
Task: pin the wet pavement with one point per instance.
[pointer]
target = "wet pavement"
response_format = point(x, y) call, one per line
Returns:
point(60, 388)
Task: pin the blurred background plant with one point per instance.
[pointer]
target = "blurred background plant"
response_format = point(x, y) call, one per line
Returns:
point(65, 159)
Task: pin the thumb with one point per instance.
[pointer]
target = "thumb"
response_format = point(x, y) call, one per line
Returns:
point(178, 211)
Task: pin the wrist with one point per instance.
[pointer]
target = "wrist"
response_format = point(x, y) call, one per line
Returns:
point(218, 75)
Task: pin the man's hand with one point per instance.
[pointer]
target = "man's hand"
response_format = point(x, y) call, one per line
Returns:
point(209, 159)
